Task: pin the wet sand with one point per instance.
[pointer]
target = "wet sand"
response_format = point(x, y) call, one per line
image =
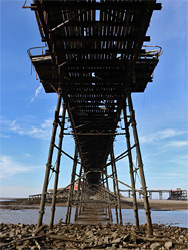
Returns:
point(157, 204)
point(126, 203)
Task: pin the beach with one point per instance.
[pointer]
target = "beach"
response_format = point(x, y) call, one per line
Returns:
point(158, 204)
point(76, 236)
point(126, 203)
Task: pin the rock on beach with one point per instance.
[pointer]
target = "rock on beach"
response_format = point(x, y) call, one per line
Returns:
point(76, 236)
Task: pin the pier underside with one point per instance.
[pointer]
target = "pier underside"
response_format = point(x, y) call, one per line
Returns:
point(94, 60)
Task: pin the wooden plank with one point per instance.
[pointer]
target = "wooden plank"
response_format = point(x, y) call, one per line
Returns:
point(89, 50)
point(73, 5)
point(98, 38)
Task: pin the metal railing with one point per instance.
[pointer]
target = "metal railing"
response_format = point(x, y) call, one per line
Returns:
point(35, 48)
point(152, 53)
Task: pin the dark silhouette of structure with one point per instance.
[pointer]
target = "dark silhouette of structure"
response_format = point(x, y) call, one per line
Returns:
point(94, 60)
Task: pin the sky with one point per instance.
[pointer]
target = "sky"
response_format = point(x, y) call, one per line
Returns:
point(26, 111)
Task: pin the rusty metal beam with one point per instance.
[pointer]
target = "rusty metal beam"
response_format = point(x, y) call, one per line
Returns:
point(140, 166)
point(57, 167)
point(49, 162)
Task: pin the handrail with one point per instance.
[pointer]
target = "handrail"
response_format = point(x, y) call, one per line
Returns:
point(156, 53)
point(40, 47)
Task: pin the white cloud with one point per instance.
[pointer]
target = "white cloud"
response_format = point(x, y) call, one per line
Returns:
point(37, 91)
point(177, 143)
point(48, 123)
point(160, 135)
point(181, 161)
point(13, 122)
point(42, 131)
point(4, 136)
point(10, 166)
point(28, 155)
point(14, 126)
point(167, 176)
point(38, 132)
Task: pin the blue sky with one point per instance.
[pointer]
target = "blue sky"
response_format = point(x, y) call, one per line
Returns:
point(27, 112)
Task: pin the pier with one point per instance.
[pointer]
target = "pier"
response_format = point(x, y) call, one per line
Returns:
point(177, 194)
point(95, 58)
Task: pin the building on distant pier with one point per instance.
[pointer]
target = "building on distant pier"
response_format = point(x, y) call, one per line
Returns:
point(178, 194)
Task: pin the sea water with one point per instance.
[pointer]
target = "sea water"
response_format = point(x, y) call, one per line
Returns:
point(29, 216)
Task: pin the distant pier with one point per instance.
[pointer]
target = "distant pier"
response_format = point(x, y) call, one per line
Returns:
point(177, 194)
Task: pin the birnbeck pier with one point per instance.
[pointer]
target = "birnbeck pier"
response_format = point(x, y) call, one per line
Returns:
point(94, 58)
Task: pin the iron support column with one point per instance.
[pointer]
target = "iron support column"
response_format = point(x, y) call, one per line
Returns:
point(81, 198)
point(160, 195)
point(78, 194)
point(115, 193)
point(71, 191)
point(81, 206)
point(109, 206)
point(49, 161)
point(140, 165)
point(57, 167)
point(131, 168)
point(117, 186)
point(103, 184)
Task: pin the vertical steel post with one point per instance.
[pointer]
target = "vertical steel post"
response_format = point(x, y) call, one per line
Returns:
point(106, 208)
point(57, 167)
point(117, 186)
point(81, 197)
point(81, 206)
point(108, 196)
point(115, 193)
point(71, 191)
point(160, 195)
point(49, 161)
point(78, 194)
point(140, 166)
point(135, 207)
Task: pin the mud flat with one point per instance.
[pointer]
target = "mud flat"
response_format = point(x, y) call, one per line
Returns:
point(157, 204)
point(18, 207)
point(109, 236)
point(125, 202)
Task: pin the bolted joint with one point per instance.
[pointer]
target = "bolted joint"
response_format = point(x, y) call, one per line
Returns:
point(140, 166)
point(48, 165)
point(147, 212)
point(61, 135)
point(55, 123)
point(41, 212)
point(133, 122)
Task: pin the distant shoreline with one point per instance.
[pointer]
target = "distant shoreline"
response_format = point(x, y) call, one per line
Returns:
point(126, 203)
